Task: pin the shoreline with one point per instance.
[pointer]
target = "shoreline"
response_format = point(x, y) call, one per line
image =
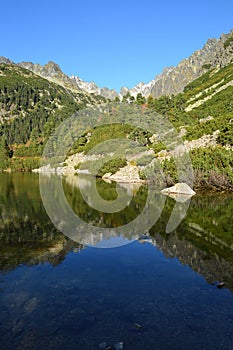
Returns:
point(198, 188)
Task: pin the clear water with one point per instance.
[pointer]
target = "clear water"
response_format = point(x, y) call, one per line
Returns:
point(157, 293)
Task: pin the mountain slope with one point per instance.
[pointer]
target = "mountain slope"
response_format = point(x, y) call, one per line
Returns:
point(30, 109)
point(52, 72)
point(203, 114)
point(215, 53)
point(33, 104)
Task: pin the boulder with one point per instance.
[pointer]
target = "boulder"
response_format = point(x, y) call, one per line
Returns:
point(179, 188)
point(180, 198)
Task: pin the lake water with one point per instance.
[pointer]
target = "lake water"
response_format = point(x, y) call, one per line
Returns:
point(157, 292)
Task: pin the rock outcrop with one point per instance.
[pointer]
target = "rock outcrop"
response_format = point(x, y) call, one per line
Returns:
point(128, 174)
point(5, 60)
point(50, 71)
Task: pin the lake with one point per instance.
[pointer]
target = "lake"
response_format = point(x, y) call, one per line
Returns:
point(156, 290)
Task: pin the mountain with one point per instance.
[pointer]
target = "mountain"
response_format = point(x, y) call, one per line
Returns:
point(35, 99)
point(141, 88)
point(26, 87)
point(92, 88)
point(50, 71)
point(215, 53)
point(172, 80)
point(31, 106)
point(203, 116)
point(53, 72)
point(5, 60)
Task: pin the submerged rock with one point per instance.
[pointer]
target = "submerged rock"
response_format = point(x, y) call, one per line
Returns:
point(137, 326)
point(119, 345)
point(220, 285)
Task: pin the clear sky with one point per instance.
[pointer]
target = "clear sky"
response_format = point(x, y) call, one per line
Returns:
point(114, 43)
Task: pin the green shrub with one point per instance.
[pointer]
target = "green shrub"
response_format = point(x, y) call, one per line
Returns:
point(145, 160)
point(228, 42)
point(214, 164)
point(226, 135)
point(206, 66)
point(24, 164)
point(158, 146)
point(112, 166)
point(76, 167)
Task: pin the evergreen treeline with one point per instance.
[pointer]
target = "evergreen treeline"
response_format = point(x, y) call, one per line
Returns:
point(30, 109)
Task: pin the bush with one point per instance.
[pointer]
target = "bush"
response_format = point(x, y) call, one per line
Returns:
point(206, 66)
point(226, 136)
point(145, 160)
point(112, 166)
point(159, 146)
point(24, 164)
point(76, 167)
point(213, 167)
point(228, 42)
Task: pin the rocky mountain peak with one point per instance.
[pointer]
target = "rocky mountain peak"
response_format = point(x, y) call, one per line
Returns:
point(92, 88)
point(172, 80)
point(5, 60)
point(83, 85)
point(52, 68)
point(50, 71)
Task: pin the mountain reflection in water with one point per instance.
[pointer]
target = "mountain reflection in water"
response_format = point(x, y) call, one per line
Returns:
point(204, 240)
point(56, 293)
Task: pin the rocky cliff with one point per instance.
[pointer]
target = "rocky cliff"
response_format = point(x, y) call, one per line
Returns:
point(216, 53)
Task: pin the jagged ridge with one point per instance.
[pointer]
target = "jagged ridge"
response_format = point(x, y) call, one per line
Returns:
point(215, 53)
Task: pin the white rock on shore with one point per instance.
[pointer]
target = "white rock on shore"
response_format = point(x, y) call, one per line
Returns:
point(179, 188)
point(127, 174)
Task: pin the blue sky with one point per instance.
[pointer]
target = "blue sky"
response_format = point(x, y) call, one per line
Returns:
point(114, 43)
